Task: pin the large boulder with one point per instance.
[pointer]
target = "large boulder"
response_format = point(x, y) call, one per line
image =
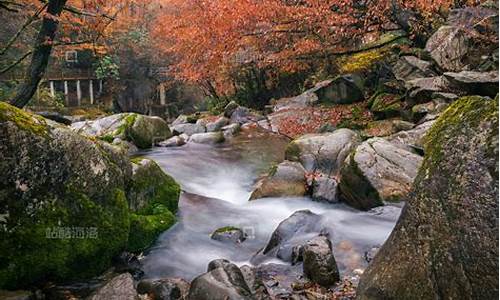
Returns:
point(294, 231)
point(378, 171)
point(345, 89)
point(319, 263)
point(445, 244)
point(285, 179)
point(147, 131)
point(49, 193)
point(324, 153)
point(120, 287)
point(223, 280)
point(63, 213)
point(471, 34)
point(113, 125)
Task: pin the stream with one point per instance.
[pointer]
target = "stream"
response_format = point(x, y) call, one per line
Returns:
point(217, 182)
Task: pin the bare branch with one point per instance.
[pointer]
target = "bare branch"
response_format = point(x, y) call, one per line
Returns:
point(25, 25)
point(18, 61)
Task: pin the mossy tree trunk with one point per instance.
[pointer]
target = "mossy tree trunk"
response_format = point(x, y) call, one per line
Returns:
point(41, 54)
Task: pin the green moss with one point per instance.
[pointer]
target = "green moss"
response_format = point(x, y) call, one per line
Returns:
point(107, 138)
point(38, 247)
point(362, 61)
point(128, 122)
point(466, 111)
point(151, 184)
point(273, 170)
point(145, 229)
point(23, 120)
point(226, 229)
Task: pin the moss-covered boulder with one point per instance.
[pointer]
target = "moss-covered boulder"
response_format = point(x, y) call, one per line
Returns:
point(377, 171)
point(64, 202)
point(63, 209)
point(285, 179)
point(143, 131)
point(153, 199)
point(148, 131)
point(149, 185)
point(445, 244)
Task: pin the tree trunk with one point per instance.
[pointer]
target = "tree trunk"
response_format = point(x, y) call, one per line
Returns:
point(41, 54)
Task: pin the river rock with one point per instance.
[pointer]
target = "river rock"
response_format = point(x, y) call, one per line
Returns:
point(51, 193)
point(207, 138)
point(325, 152)
point(147, 131)
point(217, 124)
point(188, 129)
point(113, 125)
point(295, 230)
point(150, 186)
point(325, 189)
point(411, 67)
point(475, 83)
point(119, 288)
point(445, 244)
point(377, 171)
point(285, 179)
point(164, 289)
point(174, 141)
point(52, 179)
point(229, 234)
point(319, 263)
point(223, 280)
point(128, 147)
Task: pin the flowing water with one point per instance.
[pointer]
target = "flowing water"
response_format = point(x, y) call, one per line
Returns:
point(217, 182)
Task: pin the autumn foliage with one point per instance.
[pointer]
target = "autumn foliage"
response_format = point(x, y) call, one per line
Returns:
point(209, 38)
